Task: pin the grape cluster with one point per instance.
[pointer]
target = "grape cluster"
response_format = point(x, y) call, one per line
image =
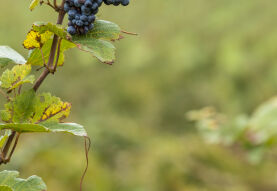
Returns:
point(81, 13)
point(117, 2)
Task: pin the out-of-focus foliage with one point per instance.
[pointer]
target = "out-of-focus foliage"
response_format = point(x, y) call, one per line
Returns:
point(189, 54)
point(256, 134)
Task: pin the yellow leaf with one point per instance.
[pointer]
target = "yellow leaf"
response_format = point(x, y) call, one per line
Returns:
point(36, 40)
point(50, 108)
point(34, 4)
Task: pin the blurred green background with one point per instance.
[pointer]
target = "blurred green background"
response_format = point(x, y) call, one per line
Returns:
point(189, 54)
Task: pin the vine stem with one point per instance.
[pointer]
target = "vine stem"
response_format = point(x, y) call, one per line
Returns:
point(53, 51)
point(55, 4)
point(54, 68)
point(7, 147)
point(13, 148)
point(54, 7)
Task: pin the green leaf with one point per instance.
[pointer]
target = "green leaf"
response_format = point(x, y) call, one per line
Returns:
point(7, 55)
point(24, 127)
point(35, 57)
point(103, 50)
point(23, 106)
point(97, 41)
point(34, 4)
point(17, 76)
point(103, 30)
point(6, 188)
point(42, 27)
point(46, 127)
point(9, 178)
point(72, 128)
point(3, 138)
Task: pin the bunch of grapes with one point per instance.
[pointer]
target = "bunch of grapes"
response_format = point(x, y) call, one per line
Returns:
point(81, 13)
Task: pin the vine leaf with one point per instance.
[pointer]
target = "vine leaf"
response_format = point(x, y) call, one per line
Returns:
point(50, 109)
point(103, 50)
point(31, 108)
point(9, 181)
point(24, 127)
point(35, 57)
point(98, 40)
point(46, 127)
point(17, 76)
point(34, 4)
point(36, 39)
point(23, 106)
point(8, 55)
point(105, 30)
point(39, 113)
point(43, 27)
point(72, 128)
point(20, 109)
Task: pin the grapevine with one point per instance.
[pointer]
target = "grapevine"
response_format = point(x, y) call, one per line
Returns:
point(26, 109)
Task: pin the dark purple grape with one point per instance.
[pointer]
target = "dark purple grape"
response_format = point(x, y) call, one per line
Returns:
point(71, 30)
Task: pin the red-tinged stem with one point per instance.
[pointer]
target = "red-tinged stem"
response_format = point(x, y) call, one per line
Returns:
point(53, 50)
point(7, 147)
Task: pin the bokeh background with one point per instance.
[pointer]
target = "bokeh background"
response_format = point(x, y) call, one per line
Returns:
point(189, 54)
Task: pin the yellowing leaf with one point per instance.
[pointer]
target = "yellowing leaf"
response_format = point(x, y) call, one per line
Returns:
point(35, 57)
point(34, 4)
point(50, 109)
point(31, 108)
point(18, 75)
point(36, 40)
point(59, 30)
